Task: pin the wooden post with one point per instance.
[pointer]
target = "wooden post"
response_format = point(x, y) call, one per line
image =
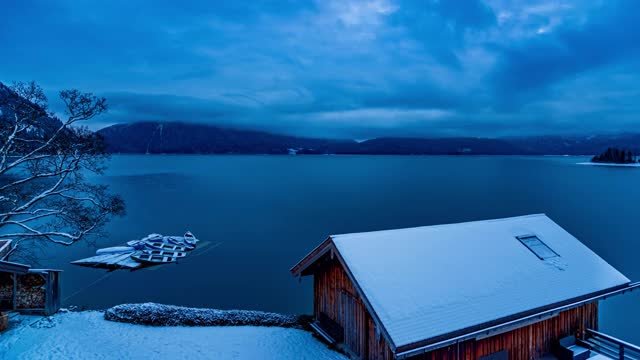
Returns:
point(15, 291)
point(47, 295)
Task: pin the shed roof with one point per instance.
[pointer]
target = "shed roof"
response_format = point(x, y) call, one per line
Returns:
point(426, 282)
point(14, 267)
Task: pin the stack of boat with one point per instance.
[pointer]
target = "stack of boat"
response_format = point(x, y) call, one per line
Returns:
point(154, 249)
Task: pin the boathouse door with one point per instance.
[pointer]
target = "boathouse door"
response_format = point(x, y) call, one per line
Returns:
point(354, 320)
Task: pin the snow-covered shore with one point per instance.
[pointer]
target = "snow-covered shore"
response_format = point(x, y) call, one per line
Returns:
point(87, 335)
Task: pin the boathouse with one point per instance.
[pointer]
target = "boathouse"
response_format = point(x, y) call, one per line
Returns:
point(498, 289)
point(27, 290)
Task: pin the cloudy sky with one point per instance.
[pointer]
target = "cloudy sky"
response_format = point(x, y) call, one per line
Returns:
point(340, 68)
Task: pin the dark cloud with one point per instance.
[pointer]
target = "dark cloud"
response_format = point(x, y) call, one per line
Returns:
point(342, 68)
point(440, 26)
point(611, 35)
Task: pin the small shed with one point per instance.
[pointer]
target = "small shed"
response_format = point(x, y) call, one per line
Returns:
point(28, 290)
point(496, 289)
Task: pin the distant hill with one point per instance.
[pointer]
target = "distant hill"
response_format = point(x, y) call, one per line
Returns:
point(575, 145)
point(435, 146)
point(190, 138)
point(184, 138)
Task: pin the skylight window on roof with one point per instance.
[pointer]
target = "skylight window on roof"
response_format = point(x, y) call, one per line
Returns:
point(540, 249)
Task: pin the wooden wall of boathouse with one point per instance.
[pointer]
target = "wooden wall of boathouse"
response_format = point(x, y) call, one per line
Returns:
point(336, 298)
point(528, 342)
point(338, 305)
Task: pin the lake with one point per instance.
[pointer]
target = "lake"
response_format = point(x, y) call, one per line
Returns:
point(267, 212)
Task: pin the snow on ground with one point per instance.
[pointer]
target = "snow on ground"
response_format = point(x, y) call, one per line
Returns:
point(87, 335)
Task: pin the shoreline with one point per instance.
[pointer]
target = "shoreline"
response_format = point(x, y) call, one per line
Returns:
point(633, 165)
point(350, 155)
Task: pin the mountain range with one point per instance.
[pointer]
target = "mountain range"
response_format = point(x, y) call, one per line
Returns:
point(191, 138)
point(195, 138)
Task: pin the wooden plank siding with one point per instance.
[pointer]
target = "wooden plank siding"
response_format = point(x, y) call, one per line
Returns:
point(336, 297)
point(528, 342)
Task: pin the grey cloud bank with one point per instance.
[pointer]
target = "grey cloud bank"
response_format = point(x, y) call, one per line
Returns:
point(348, 68)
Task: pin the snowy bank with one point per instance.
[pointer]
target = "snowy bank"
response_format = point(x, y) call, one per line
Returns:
point(169, 315)
point(87, 335)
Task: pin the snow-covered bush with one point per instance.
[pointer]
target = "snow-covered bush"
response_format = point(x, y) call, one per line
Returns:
point(169, 315)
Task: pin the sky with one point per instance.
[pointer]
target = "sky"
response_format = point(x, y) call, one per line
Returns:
point(339, 68)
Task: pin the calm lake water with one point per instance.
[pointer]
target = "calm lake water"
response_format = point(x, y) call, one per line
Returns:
point(266, 212)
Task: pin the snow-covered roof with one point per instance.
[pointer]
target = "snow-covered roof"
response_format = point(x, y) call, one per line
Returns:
point(426, 282)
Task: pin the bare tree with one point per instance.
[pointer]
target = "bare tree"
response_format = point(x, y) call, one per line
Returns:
point(44, 164)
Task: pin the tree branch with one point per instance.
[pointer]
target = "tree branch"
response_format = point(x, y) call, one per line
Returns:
point(42, 172)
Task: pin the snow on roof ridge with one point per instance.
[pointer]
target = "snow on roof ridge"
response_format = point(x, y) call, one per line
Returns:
point(445, 225)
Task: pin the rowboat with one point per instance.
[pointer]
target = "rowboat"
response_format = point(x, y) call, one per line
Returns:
point(165, 246)
point(186, 242)
point(176, 240)
point(137, 244)
point(144, 257)
point(115, 250)
point(190, 238)
point(154, 249)
point(175, 254)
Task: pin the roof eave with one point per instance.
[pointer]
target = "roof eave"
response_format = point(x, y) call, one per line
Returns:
point(315, 254)
point(44, 270)
point(18, 268)
point(490, 329)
